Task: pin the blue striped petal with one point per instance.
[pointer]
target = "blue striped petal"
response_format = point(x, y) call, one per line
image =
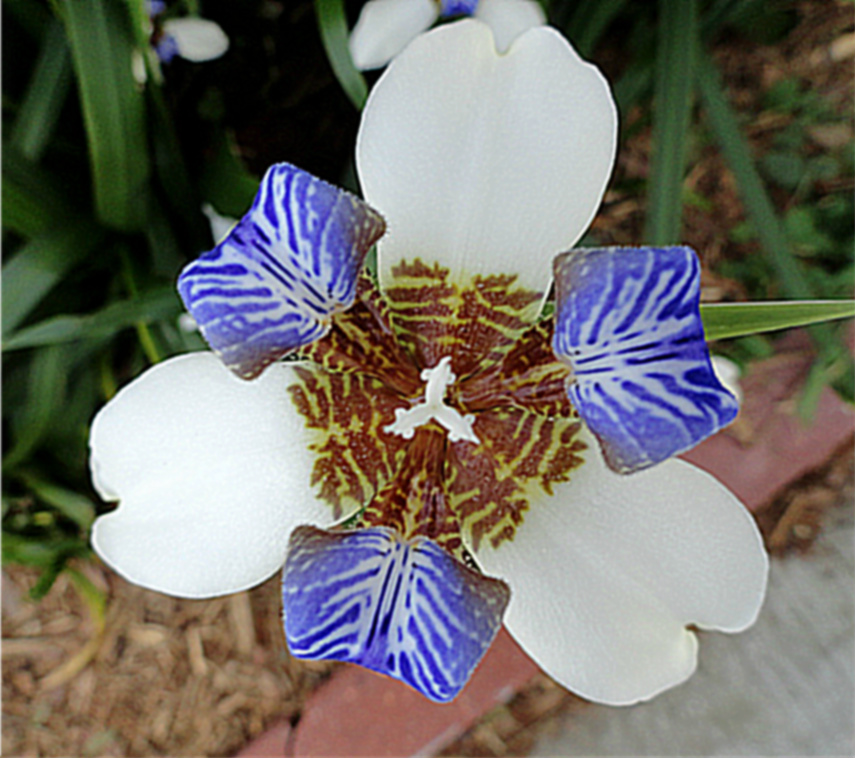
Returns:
point(449, 8)
point(629, 325)
point(406, 609)
point(275, 280)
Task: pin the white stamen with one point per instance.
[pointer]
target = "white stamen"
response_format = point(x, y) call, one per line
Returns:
point(407, 419)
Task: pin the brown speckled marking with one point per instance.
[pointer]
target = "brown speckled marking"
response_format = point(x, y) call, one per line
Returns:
point(507, 376)
point(476, 326)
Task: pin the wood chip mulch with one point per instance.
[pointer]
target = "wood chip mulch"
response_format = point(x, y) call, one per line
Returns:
point(164, 677)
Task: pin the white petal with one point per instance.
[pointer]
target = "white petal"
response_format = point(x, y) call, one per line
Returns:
point(728, 373)
point(138, 67)
point(220, 225)
point(212, 474)
point(197, 39)
point(486, 163)
point(606, 575)
point(385, 27)
point(509, 18)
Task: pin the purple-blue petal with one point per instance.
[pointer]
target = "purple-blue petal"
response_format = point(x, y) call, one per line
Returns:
point(628, 323)
point(406, 609)
point(448, 8)
point(274, 282)
point(166, 48)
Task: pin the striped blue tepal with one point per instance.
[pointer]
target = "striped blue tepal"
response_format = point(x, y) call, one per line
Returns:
point(273, 283)
point(628, 322)
point(406, 609)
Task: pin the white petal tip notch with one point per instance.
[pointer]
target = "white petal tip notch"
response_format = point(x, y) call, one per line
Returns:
point(628, 323)
point(406, 609)
point(273, 283)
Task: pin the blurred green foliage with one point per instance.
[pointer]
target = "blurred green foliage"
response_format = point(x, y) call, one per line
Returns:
point(109, 157)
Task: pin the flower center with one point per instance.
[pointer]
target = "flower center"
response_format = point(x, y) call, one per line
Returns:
point(383, 425)
point(433, 407)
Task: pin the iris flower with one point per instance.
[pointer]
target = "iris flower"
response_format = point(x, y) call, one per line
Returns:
point(193, 38)
point(435, 456)
point(385, 27)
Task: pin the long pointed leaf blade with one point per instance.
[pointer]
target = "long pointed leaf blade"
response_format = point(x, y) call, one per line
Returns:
point(102, 47)
point(758, 205)
point(153, 306)
point(45, 95)
point(333, 27)
point(39, 265)
point(727, 320)
point(675, 61)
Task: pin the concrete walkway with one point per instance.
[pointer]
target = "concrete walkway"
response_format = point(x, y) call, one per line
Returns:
point(786, 687)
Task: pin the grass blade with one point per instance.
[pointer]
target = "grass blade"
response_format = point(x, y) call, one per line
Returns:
point(675, 62)
point(225, 183)
point(32, 17)
point(727, 320)
point(154, 305)
point(70, 504)
point(45, 95)
point(99, 34)
point(40, 264)
point(48, 374)
point(758, 205)
point(332, 23)
point(33, 201)
point(589, 21)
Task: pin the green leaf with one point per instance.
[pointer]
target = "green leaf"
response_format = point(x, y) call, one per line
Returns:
point(173, 176)
point(166, 251)
point(102, 47)
point(140, 21)
point(32, 17)
point(634, 85)
point(589, 21)
point(675, 62)
point(70, 504)
point(727, 320)
point(45, 95)
point(46, 391)
point(755, 198)
point(786, 169)
point(33, 199)
point(155, 305)
point(92, 596)
point(225, 183)
point(332, 23)
point(40, 264)
point(28, 552)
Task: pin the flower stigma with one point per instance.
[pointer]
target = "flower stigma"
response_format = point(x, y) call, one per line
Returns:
point(438, 378)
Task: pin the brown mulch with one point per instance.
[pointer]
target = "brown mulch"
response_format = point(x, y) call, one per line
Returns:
point(168, 676)
point(177, 677)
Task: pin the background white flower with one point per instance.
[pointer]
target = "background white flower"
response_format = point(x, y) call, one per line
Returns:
point(192, 38)
point(385, 27)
